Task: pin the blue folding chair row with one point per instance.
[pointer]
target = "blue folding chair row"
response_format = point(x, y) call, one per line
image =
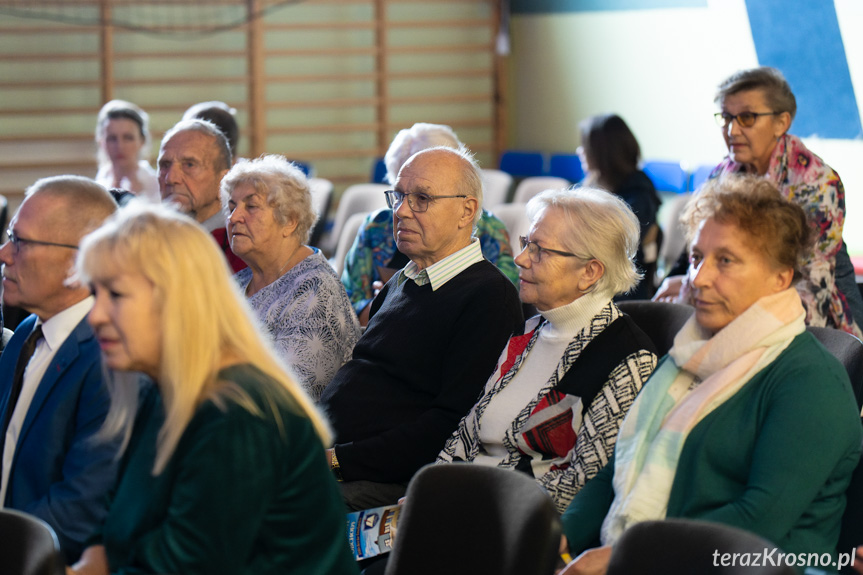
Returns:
point(525, 164)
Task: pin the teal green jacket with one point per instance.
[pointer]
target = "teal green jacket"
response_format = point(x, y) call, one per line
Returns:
point(239, 496)
point(775, 459)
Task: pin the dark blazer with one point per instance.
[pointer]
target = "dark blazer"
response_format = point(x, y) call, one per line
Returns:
point(58, 473)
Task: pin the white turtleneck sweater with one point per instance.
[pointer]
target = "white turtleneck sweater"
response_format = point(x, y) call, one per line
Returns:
point(564, 323)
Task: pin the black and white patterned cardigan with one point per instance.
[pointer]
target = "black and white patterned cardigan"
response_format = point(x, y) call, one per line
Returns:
point(566, 434)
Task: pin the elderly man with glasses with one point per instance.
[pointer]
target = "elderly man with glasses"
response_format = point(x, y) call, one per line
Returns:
point(52, 397)
point(434, 334)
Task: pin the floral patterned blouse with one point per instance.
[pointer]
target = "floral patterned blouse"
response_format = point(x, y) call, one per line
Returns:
point(309, 319)
point(375, 246)
point(805, 179)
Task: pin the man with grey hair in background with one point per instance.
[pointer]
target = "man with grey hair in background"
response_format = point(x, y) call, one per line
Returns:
point(193, 159)
point(435, 332)
point(52, 396)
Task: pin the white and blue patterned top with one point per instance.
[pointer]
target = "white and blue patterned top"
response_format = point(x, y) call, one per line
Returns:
point(309, 318)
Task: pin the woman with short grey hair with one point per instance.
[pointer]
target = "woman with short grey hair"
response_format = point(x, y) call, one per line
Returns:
point(290, 285)
point(560, 391)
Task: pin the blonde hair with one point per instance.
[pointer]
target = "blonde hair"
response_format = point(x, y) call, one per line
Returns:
point(203, 315)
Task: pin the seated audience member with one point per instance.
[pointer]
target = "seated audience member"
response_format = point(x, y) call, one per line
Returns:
point(610, 154)
point(375, 248)
point(193, 159)
point(292, 288)
point(757, 108)
point(435, 331)
point(52, 396)
point(224, 469)
point(554, 405)
point(749, 421)
point(220, 114)
point(123, 137)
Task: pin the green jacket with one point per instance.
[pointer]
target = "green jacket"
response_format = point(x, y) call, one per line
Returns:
point(237, 497)
point(775, 459)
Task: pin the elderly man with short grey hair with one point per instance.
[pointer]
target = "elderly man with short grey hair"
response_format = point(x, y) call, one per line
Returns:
point(435, 333)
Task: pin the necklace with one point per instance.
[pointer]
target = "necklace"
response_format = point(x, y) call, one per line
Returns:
point(278, 273)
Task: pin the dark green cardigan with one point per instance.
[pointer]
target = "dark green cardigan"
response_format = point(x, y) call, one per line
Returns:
point(237, 497)
point(774, 459)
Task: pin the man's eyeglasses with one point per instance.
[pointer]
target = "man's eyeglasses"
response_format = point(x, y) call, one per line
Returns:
point(417, 201)
point(745, 119)
point(534, 250)
point(17, 242)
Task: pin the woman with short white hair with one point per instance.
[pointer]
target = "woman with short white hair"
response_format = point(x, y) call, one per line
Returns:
point(554, 404)
point(291, 286)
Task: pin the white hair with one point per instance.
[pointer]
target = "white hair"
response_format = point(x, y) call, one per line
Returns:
point(600, 226)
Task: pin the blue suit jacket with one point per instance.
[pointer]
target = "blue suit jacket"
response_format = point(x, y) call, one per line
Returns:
point(58, 473)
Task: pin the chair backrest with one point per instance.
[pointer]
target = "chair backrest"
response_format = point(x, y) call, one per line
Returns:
point(851, 535)
point(29, 545)
point(659, 320)
point(322, 196)
point(674, 236)
point(379, 172)
point(529, 187)
point(566, 166)
point(306, 167)
point(666, 176)
point(460, 518)
point(683, 547)
point(346, 240)
point(522, 164)
point(496, 185)
point(514, 217)
point(847, 349)
point(359, 198)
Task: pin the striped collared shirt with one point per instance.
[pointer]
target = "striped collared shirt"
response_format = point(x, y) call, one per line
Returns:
point(441, 272)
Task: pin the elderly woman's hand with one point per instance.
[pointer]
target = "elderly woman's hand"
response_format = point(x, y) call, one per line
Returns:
point(591, 562)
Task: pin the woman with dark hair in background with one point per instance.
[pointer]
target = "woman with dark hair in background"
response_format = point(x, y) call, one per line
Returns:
point(610, 154)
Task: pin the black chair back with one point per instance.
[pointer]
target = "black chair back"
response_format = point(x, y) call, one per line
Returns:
point(29, 546)
point(847, 349)
point(851, 535)
point(460, 518)
point(659, 320)
point(687, 547)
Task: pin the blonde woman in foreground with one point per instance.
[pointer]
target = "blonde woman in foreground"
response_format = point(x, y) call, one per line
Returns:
point(224, 468)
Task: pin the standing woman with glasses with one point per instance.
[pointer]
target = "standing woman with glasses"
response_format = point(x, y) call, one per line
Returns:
point(123, 137)
point(554, 404)
point(757, 107)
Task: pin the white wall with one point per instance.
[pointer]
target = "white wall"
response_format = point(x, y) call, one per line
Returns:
point(658, 69)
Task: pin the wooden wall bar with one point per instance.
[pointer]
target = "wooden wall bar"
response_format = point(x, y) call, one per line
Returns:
point(327, 82)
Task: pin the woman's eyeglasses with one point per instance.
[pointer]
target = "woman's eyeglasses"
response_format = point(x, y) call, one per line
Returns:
point(745, 119)
point(534, 250)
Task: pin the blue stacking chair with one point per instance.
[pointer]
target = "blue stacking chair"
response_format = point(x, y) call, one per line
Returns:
point(305, 167)
point(699, 176)
point(379, 172)
point(666, 176)
point(566, 166)
point(522, 164)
